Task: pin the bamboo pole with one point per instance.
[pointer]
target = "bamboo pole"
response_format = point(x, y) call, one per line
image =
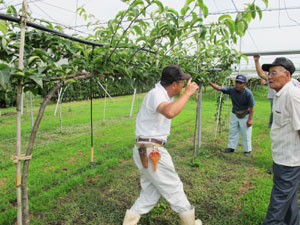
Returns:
point(22, 101)
point(219, 114)
point(18, 166)
point(31, 110)
point(20, 220)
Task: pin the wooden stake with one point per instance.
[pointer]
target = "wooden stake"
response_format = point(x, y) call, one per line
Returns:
point(19, 96)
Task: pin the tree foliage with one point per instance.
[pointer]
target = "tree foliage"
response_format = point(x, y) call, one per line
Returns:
point(173, 36)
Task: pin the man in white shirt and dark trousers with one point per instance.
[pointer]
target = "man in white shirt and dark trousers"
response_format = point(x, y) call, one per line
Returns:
point(285, 136)
point(158, 175)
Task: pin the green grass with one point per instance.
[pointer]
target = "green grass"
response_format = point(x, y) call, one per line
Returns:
point(63, 189)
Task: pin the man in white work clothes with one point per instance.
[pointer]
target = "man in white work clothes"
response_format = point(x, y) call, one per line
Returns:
point(153, 125)
point(285, 136)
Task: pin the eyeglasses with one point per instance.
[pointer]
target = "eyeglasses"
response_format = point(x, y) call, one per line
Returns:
point(274, 73)
point(182, 82)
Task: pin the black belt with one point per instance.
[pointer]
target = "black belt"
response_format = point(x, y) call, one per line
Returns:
point(156, 141)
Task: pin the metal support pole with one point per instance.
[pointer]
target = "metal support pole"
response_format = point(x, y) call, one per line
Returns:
point(106, 91)
point(58, 99)
point(132, 103)
point(92, 140)
point(199, 118)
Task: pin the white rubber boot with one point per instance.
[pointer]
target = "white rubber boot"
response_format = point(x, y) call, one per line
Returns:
point(188, 218)
point(131, 218)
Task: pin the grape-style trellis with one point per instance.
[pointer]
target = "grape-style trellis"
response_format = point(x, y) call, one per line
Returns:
point(129, 52)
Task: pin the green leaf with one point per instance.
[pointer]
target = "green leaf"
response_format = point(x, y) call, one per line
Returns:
point(258, 10)
point(239, 28)
point(20, 74)
point(246, 58)
point(110, 26)
point(186, 24)
point(41, 53)
point(188, 2)
point(72, 81)
point(137, 30)
point(184, 10)
point(203, 32)
point(252, 9)
point(230, 24)
point(205, 11)
point(143, 38)
point(201, 4)
point(248, 17)
point(3, 28)
point(4, 76)
point(12, 10)
point(37, 80)
point(137, 2)
point(195, 20)
point(33, 59)
point(160, 6)
point(4, 43)
point(266, 2)
point(41, 69)
point(172, 11)
point(226, 16)
point(48, 23)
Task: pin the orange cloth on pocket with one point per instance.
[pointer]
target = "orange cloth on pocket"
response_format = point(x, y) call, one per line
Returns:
point(154, 157)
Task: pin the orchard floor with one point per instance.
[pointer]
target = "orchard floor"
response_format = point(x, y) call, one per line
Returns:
point(63, 189)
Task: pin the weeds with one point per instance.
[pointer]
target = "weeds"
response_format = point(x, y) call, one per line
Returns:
point(63, 189)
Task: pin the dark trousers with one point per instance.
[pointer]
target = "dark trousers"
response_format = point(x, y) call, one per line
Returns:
point(283, 208)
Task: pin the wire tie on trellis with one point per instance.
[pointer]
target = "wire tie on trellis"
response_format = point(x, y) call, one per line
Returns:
point(16, 159)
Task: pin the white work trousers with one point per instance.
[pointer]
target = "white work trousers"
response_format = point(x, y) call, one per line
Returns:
point(236, 126)
point(164, 182)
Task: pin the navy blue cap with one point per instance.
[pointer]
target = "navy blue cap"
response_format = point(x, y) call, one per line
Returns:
point(241, 78)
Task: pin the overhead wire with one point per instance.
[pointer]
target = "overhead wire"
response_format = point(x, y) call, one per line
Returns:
point(44, 12)
point(289, 15)
point(279, 14)
point(22, 3)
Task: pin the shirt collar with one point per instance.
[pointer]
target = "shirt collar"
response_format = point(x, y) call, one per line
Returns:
point(158, 85)
point(285, 87)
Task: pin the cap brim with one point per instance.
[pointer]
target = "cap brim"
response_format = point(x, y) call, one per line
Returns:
point(266, 67)
point(186, 76)
point(240, 80)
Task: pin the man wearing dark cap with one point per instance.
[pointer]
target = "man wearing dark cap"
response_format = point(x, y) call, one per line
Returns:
point(271, 91)
point(153, 122)
point(242, 114)
point(285, 136)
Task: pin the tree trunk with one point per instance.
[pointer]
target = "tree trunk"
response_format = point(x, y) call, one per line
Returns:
point(31, 144)
point(29, 152)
